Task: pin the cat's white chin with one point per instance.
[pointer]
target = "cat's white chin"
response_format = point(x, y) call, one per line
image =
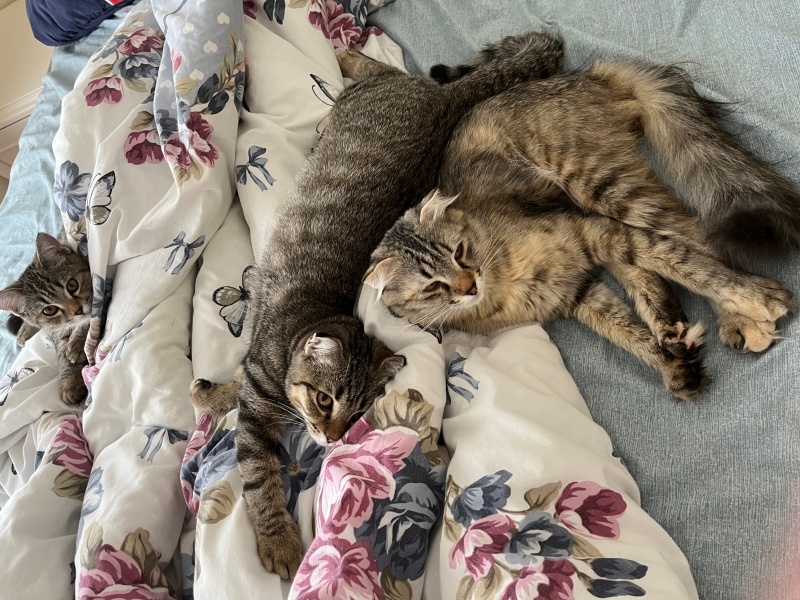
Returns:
point(470, 301)
point(320, 439)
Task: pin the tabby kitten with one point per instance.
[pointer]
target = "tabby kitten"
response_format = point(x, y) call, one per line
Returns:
point(380, 153)
point(543, 184)
point(54, 295)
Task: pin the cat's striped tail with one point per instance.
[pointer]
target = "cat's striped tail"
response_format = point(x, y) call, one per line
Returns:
point(743, 204)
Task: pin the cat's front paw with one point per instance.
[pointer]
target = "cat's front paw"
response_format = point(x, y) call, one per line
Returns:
point(73, 390)
point(684, 378)
point(282, 551)
point(73, 351)
point(683, 340)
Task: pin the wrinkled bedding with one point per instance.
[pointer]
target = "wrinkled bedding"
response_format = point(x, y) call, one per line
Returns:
point(138, 496)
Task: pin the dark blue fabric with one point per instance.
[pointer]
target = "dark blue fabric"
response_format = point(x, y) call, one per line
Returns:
point(61, 22)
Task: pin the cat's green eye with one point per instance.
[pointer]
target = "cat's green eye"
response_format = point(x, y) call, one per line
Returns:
point(72, 286)
point(324, 400)
point(49, 311)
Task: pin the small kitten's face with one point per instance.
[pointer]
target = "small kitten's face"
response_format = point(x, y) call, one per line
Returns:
point(54, 291)
point(335, 376)
point(430, 264)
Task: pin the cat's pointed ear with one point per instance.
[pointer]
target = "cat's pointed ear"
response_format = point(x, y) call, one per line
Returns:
point(11, 299)
point(379, 274)
point(323, 347)
point(49, 249)
point(384, 363)
point(433, 206)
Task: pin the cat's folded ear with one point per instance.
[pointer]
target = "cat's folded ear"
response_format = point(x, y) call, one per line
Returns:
point(49, 249)
point(379, 274)
point(384, 363)
point(11, 299)
point(323, 347)
point(433, 206)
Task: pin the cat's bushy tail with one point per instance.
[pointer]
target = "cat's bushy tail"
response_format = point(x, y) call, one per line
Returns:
point(743, 204)
point(512, 60)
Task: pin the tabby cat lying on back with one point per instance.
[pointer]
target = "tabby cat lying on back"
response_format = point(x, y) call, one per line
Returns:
point(308, 354)
point(544, 183)
point(54, 294)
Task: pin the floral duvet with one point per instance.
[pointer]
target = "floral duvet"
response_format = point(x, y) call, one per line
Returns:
point(480, 474)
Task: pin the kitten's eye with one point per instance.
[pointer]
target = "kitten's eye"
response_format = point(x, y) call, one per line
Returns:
point(460, 254)
point(49, 311)
point(72, 286)
point(436, 285)
point(324, 400)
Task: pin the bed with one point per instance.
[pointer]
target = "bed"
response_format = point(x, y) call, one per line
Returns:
point(138, 495)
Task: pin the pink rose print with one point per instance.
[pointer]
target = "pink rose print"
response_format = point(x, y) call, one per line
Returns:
point(589, 509)
point(69, 448)
point(357, 473)
point(480, 541)
point(116, 575)
point(141, 40)
point(249, 8)
point(550, 580)
point(103, 89)
point(177, 60)
point(143, 147)
point(199, 131)
point(176, 152)
point(336, 569)
point(338, 26)
point(200, 437)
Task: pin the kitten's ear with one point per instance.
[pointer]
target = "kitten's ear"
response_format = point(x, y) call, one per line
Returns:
point(11, 299)
point(323, 347)
point(433, 206)
point(380, 274)
point(49, 249)
point(386, 364)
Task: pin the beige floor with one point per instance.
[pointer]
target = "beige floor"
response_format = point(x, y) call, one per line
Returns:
point(3, 187)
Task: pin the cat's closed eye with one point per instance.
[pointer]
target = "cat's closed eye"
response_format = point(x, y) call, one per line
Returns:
point(460, 255)
point(436, 285)
point(72, 286)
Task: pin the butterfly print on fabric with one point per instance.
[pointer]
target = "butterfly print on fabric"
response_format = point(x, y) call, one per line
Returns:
point(99, 198)
point(326, 94)
point(234, 302)
point(11, 379)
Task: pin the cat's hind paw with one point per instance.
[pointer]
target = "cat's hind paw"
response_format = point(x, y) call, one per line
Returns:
point(683, 340)
point(685, 379)
point(746, 335)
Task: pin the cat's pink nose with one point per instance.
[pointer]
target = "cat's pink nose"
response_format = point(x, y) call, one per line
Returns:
point(79, 311)
point(473, 290)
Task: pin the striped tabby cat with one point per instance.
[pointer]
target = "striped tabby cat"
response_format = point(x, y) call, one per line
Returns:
point(543, 184)
point(379, 154)
point(54, 294)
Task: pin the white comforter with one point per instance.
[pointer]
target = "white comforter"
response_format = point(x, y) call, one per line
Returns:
point(133, 498)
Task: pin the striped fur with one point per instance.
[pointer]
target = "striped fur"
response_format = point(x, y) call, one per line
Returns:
point(550, 187)
point(58, 281)
point(309, 359)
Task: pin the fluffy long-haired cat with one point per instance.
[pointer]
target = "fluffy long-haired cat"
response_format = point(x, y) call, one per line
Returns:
point(543, 184)
point(54, 295)
point(380, 153)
